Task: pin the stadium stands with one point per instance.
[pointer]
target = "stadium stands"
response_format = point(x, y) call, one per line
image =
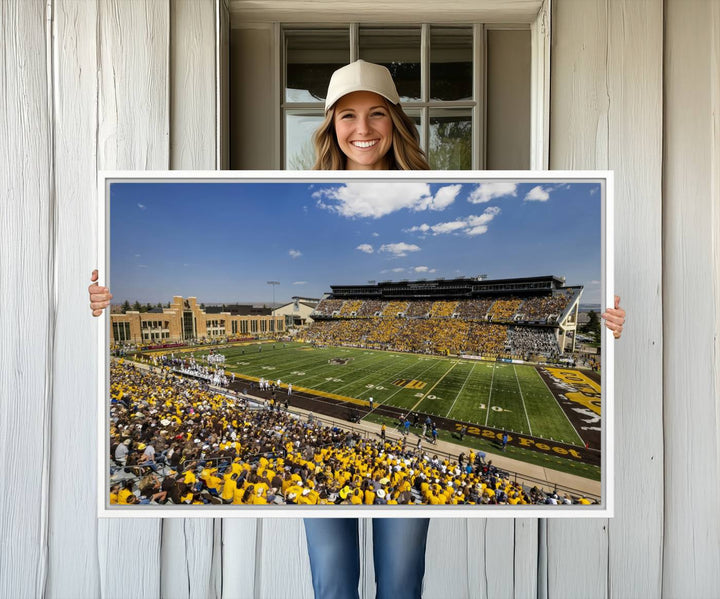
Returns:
point(172, 441)
point(500, 324)
point(395, 309)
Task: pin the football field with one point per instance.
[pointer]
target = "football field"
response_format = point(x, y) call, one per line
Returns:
point(503, 396)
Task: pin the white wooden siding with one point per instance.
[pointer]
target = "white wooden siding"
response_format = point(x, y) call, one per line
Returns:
point(73, 567)
point(27, 209)
point(691, 302)
point(133, 133)
point(606, 113)
point(635, 87)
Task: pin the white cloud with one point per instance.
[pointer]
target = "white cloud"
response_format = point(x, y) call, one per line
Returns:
point(470, 225)
point(538, 194)
point(419, 229)
point(424, 269)
point(398, 269)
point(445, 196)
point(399, 249)
point(141, 206)
point(451, 227)
point(485, 192)
point(375, 200)
point(376, 234)
point(594, 282)
point(365, 247)
point(295, 253)
point(299, 282)
point(142, 265)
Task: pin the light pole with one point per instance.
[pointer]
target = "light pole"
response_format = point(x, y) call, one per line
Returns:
point(274, 284)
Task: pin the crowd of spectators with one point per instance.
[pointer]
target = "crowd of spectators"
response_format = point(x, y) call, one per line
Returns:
point(350, 307)
point(473, 309)
point(526, 341)
point(394, 308)
point(327, 307)
point(443, 309)
point(503, 310)
point(173, 441)
point(532, 309)
point(536, 309)
point(419, 309)
point(371, 308)
point(428, 335)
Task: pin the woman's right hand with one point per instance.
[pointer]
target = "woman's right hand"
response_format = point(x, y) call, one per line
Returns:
point(99, 296)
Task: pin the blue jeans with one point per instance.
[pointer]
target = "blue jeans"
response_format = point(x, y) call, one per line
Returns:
point(398, 553)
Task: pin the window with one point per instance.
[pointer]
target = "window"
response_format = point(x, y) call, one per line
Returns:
point(433, 68)
point(478, 92)
point(121, 331)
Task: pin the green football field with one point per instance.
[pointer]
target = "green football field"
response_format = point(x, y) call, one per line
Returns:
point(505, 396)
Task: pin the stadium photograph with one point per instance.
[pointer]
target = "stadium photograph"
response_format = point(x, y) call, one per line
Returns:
point(303, 344)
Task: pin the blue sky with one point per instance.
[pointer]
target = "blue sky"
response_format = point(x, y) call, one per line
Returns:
point(222, 241)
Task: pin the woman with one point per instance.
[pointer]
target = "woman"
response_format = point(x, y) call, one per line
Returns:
point(365, 129)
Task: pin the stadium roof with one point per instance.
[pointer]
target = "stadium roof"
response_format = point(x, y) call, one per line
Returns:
point(463, 287)
point(239, 310)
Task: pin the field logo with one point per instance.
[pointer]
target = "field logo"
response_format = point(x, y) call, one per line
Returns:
point(338, 361)
point(409, 384)
point(583, 390)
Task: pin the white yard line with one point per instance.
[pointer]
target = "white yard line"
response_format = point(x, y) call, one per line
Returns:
point(559, 407)
point(321, 366)
point(433, 387)
point(522, 399)
point(403, 388)
point(487, 411)
point(374, 373)
point(467, 378)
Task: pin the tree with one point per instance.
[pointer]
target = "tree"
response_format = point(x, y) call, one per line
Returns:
point(137, 307)
point(125, 306)
point(450, 145)
point(593, 325)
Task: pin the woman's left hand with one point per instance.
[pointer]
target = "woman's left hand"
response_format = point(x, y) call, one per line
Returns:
point(615, 318)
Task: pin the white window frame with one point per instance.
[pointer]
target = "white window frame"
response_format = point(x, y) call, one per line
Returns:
point(535, 14)
point(476, 106)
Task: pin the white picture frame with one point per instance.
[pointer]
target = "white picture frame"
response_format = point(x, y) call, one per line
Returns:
point(544, 180)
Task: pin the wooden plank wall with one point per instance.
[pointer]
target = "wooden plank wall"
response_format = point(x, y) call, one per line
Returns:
point(115, 84)
point(606, 113)
point(27, 209)
point(691, 210)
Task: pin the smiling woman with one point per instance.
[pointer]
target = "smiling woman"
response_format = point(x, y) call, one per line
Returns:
point(364, 130)
point(365, 127)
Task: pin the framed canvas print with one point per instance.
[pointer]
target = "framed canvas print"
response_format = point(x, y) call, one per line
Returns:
point(356, 344)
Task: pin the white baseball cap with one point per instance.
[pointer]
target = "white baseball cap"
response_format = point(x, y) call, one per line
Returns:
point(361, 76)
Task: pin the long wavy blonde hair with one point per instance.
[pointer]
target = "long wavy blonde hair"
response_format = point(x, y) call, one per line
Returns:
point(405, 153)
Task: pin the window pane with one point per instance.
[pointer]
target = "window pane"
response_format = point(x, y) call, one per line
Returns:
point(414, 114)
point(451, 55)
point(311, 58)
point(508, 100)
point(450, 139)
point(399, 51)
point(299, 150)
